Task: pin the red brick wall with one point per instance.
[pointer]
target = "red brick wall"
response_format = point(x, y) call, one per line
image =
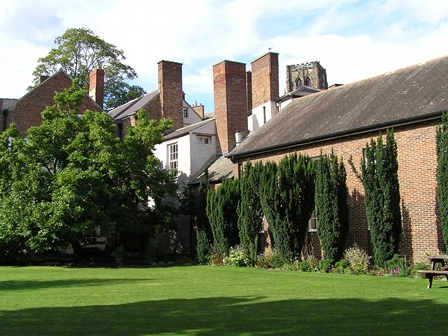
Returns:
point(265, 86)
point(417, 160)
point(171, 94)
point(28, 109)
point(229, 81)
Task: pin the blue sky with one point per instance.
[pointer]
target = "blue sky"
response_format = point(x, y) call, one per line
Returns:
point(352, 39)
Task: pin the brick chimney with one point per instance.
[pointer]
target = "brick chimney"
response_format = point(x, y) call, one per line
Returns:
point(199, 109)
point(265, 88)
point(229, 83)
point(249, 90)
point(43, 78)
point(170, 90)
point(96, 86)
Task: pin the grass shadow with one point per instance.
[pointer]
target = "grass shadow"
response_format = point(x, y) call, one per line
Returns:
point(231, 316)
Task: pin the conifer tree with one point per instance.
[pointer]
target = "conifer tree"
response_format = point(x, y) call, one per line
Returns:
point(442, 176)
point(203, 230)
point(222, 215)
point(331, 206)
point(379, 175)
point(250, 216)
point(287, 198)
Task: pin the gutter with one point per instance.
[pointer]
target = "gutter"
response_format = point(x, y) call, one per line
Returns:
point(337, 135)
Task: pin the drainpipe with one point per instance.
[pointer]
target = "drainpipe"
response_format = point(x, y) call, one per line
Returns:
point(5, 116)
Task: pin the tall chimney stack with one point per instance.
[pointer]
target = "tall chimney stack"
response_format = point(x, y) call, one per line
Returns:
point(96, 86)
point(229, 82)
point(171, 94)
point(265, 88)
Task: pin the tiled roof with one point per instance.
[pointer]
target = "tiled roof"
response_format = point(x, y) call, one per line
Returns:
point(185, 130)
point(131, 107)
point(407, 95)
point(220, 169)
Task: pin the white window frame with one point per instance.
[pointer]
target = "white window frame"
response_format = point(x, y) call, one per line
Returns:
point(173, 156)
point(312, 223)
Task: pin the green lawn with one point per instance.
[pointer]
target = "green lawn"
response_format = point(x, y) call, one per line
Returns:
point(204, 300)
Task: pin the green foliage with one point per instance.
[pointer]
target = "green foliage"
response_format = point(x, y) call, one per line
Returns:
point(74, 178)
point(79, 51)
point(379, 175)
point(331, 206)
point(270, 260)
point(442, 176)
point(204, 233)
point(287, 200)
point(357, 259)
point(324, 266)
point(222, 215)
point(341, 266)
point(237, 257)
point(250, 216)
point(305, 266)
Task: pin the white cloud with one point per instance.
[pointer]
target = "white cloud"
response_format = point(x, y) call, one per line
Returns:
point(352, 39)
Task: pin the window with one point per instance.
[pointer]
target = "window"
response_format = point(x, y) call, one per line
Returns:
point(264, 115)
point(312, 223)
point(185, 112)
point(173, 156)
point(204, 140)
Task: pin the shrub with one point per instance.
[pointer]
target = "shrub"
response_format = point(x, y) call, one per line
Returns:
point(215, 257)
point(238, 258)
point(324, 265)
point(357, 259)
point(270, 260)
point(305, 266)
point(341, 266)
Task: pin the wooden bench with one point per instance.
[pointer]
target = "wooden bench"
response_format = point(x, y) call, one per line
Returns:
point(430, 274)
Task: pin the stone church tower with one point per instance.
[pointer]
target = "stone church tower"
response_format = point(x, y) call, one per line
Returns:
point(310, 74)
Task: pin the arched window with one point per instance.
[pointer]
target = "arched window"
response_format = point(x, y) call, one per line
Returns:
point(307, 81)
point(298, 82)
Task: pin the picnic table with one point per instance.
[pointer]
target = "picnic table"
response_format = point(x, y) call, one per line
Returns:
point(430, 274)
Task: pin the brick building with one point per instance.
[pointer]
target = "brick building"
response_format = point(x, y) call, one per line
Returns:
point(344, 119)
point(26, 111)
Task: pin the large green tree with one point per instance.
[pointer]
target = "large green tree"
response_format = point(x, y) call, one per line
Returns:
point(379, 175)
point(73, 177)
point(78, 52)
point(287, 199)
point(442, 176)
point(331, 205)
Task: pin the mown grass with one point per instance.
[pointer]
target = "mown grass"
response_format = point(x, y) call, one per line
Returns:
point(204, 300)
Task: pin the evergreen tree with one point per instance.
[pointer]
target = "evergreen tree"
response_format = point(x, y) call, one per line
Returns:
point(287, 199)
point(250, 216)
point(204, 234)
point(222, 215)
point(379, 175)
point(442, 176)
point(331, 206)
